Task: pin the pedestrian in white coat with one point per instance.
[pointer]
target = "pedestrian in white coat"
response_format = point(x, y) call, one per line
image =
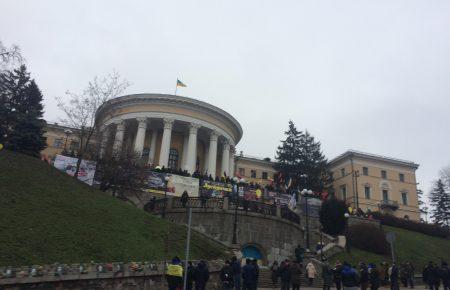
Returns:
point(311, 273)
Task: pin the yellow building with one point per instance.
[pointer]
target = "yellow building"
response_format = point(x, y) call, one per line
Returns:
point(254, 169)
point(59, 138)
point(376, 183)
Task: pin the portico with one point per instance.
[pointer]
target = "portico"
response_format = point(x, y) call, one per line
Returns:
point(171, 131)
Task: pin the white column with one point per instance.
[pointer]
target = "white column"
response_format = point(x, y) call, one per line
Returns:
point(185, 151)
point(165, 143)
point(152, 151)
point(225, 158)
point(231, 163)
point(104, 141)
point(140, 136)
point(192, 148)
point(118, 140)
point(212, 154)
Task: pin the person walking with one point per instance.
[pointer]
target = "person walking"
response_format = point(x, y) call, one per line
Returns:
point(237, 271)
point(255, 264)
point(393, 275)
point(327, 276)
point(299, 252)
point(274, 273)
point(437, 279)
point(226, 276)
point(349, 277)
point(363, 276)
point(285, 275)
point(404, 275)
point(410, 274)
point(174, 275)
point(444, 275)
point(311, 273)
point(337, 270)
point(190, 276)
point(248, 275)
point(201, 276)
point(295, 274)
point(374, 277)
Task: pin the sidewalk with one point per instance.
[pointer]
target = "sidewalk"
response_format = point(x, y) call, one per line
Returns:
point(421, 287)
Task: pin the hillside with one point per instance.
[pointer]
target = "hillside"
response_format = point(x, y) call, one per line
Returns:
point(47, 216)
point(409, 246)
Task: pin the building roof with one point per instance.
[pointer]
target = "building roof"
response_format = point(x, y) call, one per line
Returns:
point(370, 156)
point(255, 159)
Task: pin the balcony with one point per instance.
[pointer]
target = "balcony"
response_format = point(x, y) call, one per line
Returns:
point(392, 204)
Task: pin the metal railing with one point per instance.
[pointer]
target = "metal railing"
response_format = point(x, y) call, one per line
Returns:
point(389, 203)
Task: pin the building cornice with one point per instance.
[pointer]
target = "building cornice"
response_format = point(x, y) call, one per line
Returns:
point(374, 157)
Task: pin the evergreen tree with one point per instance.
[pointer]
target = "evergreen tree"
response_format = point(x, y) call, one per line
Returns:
point(21, 123)
point(300, 154)
point(440, 200)
point(332, 215)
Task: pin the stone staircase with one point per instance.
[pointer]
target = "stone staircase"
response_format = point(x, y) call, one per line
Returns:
point(265, 280)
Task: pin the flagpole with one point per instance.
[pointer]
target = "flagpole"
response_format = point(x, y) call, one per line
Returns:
point(176, 87)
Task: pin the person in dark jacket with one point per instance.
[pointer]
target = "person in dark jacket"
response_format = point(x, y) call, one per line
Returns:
point(299, 252)
point(236, 266)
point(337, 270)
point(410, 274)
point(255, 264)
point(327, 276)
point(190, 276)
point(201, 276)
point(394, 277)
point(374, 277)
point(350, 278)
point(363, 276)
point(285, 276)
point(404, 275)
point(226, 276)
point(274, 269)
point(249, 275)
point(184, 198)
point(444, 275)
point(295, 270)
point(430, 276)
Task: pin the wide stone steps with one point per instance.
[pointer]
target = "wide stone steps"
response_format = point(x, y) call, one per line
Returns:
point(265, 280)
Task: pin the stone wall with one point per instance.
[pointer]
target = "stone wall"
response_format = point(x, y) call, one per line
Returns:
point(275, 237)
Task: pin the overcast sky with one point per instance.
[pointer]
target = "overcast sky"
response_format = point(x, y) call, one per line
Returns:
point(366, 75)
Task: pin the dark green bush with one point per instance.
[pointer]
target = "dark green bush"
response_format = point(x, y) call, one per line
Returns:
point(332, 216)
point(368, 238)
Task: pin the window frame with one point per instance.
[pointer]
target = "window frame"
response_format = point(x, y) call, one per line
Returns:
point(387, 194)
point(367, 194)
point(253, 173)
point(365, 170)
point(404, 196)
point(383, 174)
point(173, 158)
point(401, 177)
point(342, 172)
point(265, 175)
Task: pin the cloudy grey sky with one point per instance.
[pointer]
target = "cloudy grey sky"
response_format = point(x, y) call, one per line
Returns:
point(368, 75)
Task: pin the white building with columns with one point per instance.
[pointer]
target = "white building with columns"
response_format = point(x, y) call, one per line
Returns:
point(171, 131)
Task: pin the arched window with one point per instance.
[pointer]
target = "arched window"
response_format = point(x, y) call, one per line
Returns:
point(173, 159)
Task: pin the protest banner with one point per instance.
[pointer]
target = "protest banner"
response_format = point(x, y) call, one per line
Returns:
point(69, 166)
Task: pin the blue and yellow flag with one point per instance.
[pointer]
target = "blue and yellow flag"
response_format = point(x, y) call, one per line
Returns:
point(180, 84)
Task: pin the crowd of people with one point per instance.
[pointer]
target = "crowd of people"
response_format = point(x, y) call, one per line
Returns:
point(197, 275)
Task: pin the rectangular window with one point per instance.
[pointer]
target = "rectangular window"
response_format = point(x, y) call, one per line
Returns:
point(385, 195)
point(404, 198)
point(74, 145)
point(401, 177)
point(383, 174)
point(367, 192)
point(58, 143)
point(242, 171)
point(264, 175)
point(342, 172)
point(344, 192)
point(365, 171)
point(253, 173)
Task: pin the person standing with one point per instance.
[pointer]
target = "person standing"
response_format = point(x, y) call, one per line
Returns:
point(403, 275)
point(327, 276)
point(201, 276)
point(437, 279)
point(311, 273)
point(295, 273)
point(285, 275)
point(184, 198)
point(299, 252)
point(374, 277)
point(393, 275)
point(274, 274)
point(410, 274)
point(349, 277)
point(444, 275)
point(363, 276)
point(236, 266)
point(249, 275)
point(190, 276)
point(337, 270)
point(226, 276)
point(174, 274)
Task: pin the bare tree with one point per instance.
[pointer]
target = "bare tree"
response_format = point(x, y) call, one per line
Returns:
point(9, 57)
point(81, 108)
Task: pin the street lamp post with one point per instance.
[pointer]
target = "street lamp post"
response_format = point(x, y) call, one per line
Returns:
point(68, 132)
point(305, 194)
point(166, 181)
point(347, 243)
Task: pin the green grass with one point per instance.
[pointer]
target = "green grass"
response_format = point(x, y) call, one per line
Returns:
point(410, 246)
point(47, 216)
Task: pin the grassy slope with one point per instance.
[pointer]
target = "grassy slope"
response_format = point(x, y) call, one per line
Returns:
point(409, 246)
point(47, 216)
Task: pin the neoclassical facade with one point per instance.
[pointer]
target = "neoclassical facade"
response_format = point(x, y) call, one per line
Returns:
point(171, 131)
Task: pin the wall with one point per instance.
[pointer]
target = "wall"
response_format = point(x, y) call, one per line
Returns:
point(275, 237)
point(254, 164)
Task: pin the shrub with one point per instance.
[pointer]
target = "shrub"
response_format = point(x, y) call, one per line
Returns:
point(428, 229)
point(369, 238)
point(332, 216)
